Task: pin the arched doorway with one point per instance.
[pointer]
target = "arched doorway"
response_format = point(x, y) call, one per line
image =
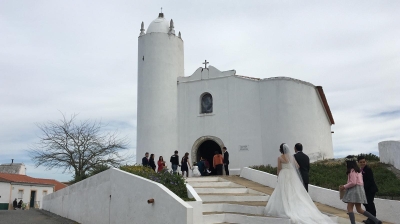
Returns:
point(205, 147)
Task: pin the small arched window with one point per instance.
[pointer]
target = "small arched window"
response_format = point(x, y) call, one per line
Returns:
point(206, 103)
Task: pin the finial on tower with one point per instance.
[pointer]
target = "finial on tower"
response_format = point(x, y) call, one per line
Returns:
point(179, 35)
point(171, 27)
point(142, 29)
point(161, 15)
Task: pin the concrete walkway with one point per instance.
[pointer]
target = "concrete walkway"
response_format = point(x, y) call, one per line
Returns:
point(267, 190)
point(32, 216)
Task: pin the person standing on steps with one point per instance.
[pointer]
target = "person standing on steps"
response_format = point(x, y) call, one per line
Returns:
point(185, 165)
point(174, 161)
point(304, 163)
point(152, 163)
point(226, 160)
point(218, 162)
point(145, 159)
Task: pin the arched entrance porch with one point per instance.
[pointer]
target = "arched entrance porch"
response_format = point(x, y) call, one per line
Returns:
point(205, 147)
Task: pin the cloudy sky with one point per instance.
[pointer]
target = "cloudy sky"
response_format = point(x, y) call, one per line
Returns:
point(81, 57)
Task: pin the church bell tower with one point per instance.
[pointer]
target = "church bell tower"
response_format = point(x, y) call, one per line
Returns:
point(160, 63)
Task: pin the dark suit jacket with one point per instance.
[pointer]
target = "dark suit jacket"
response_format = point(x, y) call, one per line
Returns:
point(369, 181)
point(226, 157)
point(145, 161)
point(304, 163)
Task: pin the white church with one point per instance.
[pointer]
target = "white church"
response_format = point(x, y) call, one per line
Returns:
point(210, 109)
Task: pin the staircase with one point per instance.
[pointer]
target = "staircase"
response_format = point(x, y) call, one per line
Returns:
point(228, 202)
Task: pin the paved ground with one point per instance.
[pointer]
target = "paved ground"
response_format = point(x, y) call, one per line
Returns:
point(32, 216)
point(268, 190)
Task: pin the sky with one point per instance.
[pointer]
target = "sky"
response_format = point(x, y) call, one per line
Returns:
point(80, 57)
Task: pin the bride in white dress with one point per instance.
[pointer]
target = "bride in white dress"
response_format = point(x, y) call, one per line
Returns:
point(290, 199)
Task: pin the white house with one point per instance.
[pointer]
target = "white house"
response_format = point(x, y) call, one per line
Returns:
point(211, 109)
point(28, 189)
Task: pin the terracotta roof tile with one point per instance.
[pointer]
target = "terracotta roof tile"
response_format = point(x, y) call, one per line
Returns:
point(18, 178)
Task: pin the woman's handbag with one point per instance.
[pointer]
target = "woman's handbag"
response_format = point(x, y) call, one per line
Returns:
point(341, 193)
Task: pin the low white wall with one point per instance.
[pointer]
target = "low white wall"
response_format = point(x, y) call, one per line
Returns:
point(115, 196)
point(389, 152)
point(387, 210)
point(197, 205)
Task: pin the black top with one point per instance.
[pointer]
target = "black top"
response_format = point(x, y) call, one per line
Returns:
point(15, 203)
point(145, 161)
point(369, 181)
point(152, 164)
point(174, 160)
point(226, 157)
point(304, 163)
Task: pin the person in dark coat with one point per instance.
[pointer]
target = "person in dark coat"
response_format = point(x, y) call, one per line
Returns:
point(304, 164)
point(145, 159)
point(20, 204)
point(369, 187)
point(152, 163)
point(226, 160)
point(15, 204)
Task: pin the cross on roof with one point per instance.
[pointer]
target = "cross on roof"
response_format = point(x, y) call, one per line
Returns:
point(161, 9)
point(205, 63)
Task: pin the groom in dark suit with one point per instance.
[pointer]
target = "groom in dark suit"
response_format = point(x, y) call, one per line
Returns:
point(304, 163)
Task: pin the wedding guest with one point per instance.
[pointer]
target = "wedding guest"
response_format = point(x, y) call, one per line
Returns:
point(152, 163)
point(145, 159)
point(226, 160)
point(161, 164)
point(218, 162)
point(369, 186)
point(185, 164)
point(355, 194)
point(174, 162)
point(15, 204)
point(201, 167)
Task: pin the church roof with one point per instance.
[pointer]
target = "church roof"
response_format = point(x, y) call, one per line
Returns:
point(18, 178)
point(159, 25)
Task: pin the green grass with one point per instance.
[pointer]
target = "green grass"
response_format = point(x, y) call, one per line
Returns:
point(332, 173)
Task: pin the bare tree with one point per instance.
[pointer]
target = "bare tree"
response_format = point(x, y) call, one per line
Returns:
point(78, 147)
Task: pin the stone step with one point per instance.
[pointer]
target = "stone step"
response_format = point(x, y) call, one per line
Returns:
point(225, 190)
point(235, 208)
point(230, 217)
point(233, 197)
point(241, 218)
point(213, 184)
point(205, 179)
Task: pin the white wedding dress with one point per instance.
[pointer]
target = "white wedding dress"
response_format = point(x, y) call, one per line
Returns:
point(291, 200)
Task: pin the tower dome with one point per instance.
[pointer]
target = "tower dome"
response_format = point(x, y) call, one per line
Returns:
point(159, 25)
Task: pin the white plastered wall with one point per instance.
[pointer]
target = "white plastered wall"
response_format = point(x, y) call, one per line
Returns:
point(260, 114)
point(5, 192)
point(389, 152)
point(160, 62)
point(118, 197)
point(292, 112)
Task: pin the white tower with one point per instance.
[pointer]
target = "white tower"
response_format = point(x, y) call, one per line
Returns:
point(160, 63)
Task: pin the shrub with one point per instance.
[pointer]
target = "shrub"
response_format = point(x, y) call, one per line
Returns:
point(173, 182)
point(268, 169)
point(370, 157)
